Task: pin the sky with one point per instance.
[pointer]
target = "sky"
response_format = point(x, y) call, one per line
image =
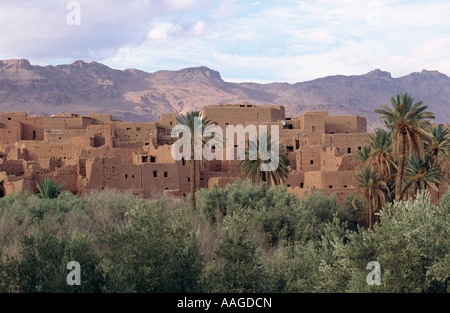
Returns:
point(255, 40)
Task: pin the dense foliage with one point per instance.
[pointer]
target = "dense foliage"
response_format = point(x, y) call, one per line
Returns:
point(241, 238)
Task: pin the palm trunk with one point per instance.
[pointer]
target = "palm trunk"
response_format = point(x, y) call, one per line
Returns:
point(401, 167)
point(192, 164)
point(436, 152)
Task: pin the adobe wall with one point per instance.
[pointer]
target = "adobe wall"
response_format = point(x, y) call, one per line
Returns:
point(329, 179)
point(242, 114)
point(345, 143)
point(308, 157)
point(345, 124)
point(313, 125)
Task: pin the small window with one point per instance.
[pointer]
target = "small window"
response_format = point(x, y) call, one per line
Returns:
point(126, 176)
point(330, 186)
point(301, 185)
point(155, 173)
point(313, 128)
point(359, 148)
point(152, 159)
point(349, 150)
point(183, 161)
point(345, 186)
point(288, 185)
point(165, 174)
point(144, 159)
point(9, 118)
point(290, 148)
point(128, 128)
point(189, 179)
point(311, 162)
point(138, 129)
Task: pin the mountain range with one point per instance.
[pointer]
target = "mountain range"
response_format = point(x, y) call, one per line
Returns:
point(135, 95)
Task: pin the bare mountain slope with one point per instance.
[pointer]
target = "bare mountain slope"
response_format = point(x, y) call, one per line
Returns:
point(135, 95)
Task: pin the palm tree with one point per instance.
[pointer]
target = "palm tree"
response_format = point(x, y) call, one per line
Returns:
point(252, 169)
point(380, 145)
point(407, 123)
point(188, 120)
point(437, 147)
point(420, 174)
point(438, 144)
point(363, 155)
point(49, 189)
point(371, 190)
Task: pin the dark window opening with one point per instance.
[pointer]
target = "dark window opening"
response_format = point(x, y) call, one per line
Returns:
point(301, 185)
point(359, 148)
point(126, 176)
point(155, 173)
point(345, 186)
point(128, 128)
point(183, 161)
point(34, 135)
point(349, 150)
point(189, 179)
point(288, 185)
point(152, 159)
point(138, 129)
point(297, 144)
point(165, 174)
point(144, 159)
point(331, 186)
point(290, 148)
point(311, 162)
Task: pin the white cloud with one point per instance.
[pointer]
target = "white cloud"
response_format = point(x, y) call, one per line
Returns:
point(244, 40)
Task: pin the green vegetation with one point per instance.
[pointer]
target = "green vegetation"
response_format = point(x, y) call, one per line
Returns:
point(49, 189)
point(242, 238)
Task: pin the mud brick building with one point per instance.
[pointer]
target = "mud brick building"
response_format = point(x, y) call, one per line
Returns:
point(96, 152)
